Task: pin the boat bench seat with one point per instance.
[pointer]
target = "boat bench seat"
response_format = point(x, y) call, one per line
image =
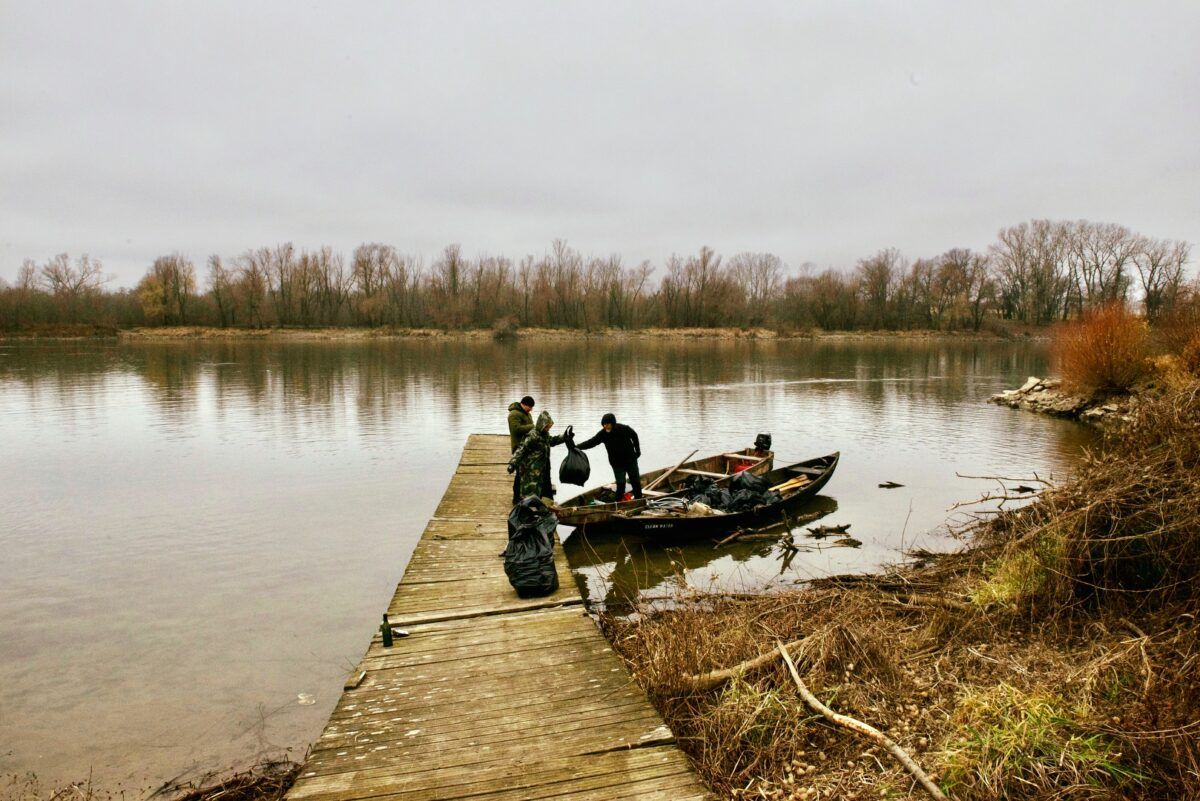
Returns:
point(806, 471)
point(703, 473)
point(740, 456)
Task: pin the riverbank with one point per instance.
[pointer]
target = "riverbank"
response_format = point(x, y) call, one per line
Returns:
point(171, 333)
point(1056, 657)
point(1048, 396)
point(266, 781)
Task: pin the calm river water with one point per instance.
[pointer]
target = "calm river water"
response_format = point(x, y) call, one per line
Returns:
point(196, 539)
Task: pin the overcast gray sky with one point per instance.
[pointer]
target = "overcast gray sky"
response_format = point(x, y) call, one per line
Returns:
point(820, 131)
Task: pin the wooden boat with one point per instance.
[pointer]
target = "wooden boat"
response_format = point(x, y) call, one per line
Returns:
point(583, 510)
point(796, 483)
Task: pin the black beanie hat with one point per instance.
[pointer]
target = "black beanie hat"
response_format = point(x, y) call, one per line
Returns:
point(608, 418)
point(527, 401)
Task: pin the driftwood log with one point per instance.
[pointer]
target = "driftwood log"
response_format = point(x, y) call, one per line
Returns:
point(858, 727)
point(786, 523)
point(701, 682)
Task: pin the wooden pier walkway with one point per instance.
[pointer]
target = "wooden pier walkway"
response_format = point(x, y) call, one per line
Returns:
point(490, 697)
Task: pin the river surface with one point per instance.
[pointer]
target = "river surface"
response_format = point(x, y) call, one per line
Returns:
point(197, 538)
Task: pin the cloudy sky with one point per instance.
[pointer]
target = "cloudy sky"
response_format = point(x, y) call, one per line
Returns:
point(821, 131)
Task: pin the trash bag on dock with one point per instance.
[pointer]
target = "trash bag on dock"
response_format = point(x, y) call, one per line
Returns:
point(529, 556)
point(575, 468)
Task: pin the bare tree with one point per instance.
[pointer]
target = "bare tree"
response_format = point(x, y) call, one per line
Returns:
point(1160, 265)
point(63, 279)
point(980, 288)
point(252, 285)
point(369, 269)
point(1100, 256)
point(877, 279)
point(1032, 271)
point(221, 288)
point(525, 280)
point(760, 276)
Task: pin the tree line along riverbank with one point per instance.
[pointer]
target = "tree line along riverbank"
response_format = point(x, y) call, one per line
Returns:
point(1035, 273)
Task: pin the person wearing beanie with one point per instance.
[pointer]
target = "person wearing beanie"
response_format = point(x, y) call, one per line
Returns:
point(623, 448)
point(531, 460)
point(520, 423)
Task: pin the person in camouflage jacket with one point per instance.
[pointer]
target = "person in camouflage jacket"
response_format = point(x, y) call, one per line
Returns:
point(532, 458)
point(520, 423)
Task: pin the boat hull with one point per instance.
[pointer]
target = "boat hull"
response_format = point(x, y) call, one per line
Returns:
point(580, 511)
point(676, 529)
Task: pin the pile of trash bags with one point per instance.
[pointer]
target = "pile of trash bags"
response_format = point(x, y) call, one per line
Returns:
point(529, 556)
point(745, 492)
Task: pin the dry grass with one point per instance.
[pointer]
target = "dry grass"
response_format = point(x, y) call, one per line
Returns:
point(1189, 356)
point(266, 781)
point(1059, 657)
point(1106, 351)
point(1123, 534)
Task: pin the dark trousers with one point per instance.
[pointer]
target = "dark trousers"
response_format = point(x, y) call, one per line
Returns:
point(516, 487)
point(635, 478)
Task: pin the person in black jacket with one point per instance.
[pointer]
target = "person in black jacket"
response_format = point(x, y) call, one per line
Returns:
point(623, 448)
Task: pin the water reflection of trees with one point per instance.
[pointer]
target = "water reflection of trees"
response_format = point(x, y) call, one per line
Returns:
point(377, 385)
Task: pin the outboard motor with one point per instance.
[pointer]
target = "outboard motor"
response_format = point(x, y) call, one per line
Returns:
point(762, 443)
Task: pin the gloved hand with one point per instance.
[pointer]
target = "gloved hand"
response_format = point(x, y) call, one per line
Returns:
point(512, 468)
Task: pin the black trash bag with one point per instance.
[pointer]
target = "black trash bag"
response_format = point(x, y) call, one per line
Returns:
point(529, 555)
point(607, 496)
point(743, 500)
point(748, 481)
point(575, 467)
point(697, 485)
point(718, 498)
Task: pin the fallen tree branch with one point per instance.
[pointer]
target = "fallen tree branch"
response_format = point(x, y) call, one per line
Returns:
point(924, 599)
point(785, 522)
point(1036, 478)
point(857, 726)
point(699, 683)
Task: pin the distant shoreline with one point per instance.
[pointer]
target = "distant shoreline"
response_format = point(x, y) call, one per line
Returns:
point(177, 333)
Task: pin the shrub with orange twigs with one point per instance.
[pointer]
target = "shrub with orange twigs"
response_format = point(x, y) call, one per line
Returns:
point(1105, 351)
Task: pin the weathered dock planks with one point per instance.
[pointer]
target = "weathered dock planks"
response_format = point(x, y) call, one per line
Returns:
point(490, 697)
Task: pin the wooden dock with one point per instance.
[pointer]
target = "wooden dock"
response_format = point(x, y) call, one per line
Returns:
point(490, 697)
